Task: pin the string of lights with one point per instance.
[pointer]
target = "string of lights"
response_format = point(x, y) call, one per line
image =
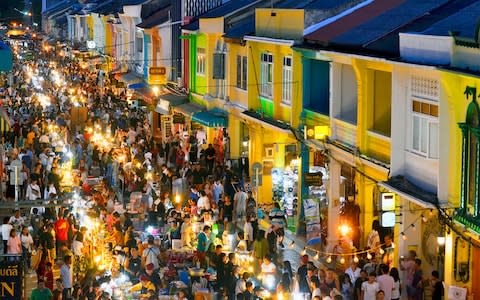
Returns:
point(355, 254)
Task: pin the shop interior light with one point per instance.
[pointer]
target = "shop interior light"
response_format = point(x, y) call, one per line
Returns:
point(155, 90)
point(316, 256)
point(414, 228)
point(404, 236)
point(381, 251)
point(355, 259)
point(304, 251)
point(342, 260)
point(245, 141)
point(329, 259)
point(292, 244)
point(369, 256)
point(441, 240)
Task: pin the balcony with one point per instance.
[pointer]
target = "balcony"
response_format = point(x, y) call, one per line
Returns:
point(378, 147)
point(344, 133)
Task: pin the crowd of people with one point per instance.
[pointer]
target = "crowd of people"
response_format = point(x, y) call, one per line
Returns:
point(148, 198)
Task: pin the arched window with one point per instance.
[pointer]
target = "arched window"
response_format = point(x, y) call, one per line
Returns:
point(470, 157)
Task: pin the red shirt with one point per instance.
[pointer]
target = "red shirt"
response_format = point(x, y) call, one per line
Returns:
point(48, 278)
point(61, 229)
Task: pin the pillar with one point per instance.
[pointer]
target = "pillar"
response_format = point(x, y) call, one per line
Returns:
point(333, 194)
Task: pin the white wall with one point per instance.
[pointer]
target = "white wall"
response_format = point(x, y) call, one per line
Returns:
point(132, 10)
point(466, 58)
point(421, 171)
point(165, 33)
point(426, 49)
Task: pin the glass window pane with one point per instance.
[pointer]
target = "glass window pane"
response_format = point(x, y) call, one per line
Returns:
point(434, 110)
point(425, 108)
point(416, 133)
point(423, 135)
point(433, 140)
point(416, 106)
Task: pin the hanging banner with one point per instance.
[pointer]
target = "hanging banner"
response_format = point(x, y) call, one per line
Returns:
point(10, 280)
point(312, 221)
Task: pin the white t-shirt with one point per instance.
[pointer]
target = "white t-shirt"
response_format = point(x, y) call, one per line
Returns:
point(386, 284)
point(203, 203)
point(270, 268)
point(370, 290)
point(27, 241)
point(396, 291)
point(6, 228)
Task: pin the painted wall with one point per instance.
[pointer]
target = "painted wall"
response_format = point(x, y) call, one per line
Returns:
point(274, 108)
point(237, 96)
point(423, 171)
point(278, 23)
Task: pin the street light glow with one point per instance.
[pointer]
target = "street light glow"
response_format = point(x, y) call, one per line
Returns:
point(344, 229)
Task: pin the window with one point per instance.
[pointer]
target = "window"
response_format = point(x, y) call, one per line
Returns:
point(287, 78)
point(242, 72)
point(201, 61)
point(470, 188)
point(219, 66)
point(139, 43)
point(424, 115)
point(425, 128)
point(266, 75)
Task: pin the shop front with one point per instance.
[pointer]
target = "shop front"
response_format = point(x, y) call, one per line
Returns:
point(273, 146)
point(165, 121)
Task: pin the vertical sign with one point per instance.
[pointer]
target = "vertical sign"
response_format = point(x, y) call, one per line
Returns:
point(312, 220)
point(166, 127)
point(10, 281)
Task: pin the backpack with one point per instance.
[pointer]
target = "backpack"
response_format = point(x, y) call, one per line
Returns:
point(151, 257)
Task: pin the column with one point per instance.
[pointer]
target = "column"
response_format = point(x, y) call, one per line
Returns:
point(333, 194)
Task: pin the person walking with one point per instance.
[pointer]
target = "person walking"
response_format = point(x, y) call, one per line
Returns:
point(41, 292)
point(66, 273)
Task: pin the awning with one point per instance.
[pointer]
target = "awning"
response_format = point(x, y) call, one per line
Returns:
point(137, 86)
point(267, 122)
point(188, 109)
point(128, 78)
point(166, 101)
point(403, 187)
point(212, 118)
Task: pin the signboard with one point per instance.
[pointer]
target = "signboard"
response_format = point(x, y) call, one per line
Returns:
point(163, 107)
point(388, 219)
point(388, 201)
point(257, 176)
point(312, 220)
point(166, 127)
point(157, 75)
point(91, 44)
point(10, 280)
point(316, 132)
point(313, 179)
point(178, 119)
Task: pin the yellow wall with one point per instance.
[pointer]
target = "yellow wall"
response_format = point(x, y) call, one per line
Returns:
point(280, 111)
point(89, 22)
point(108, 36)
point(374, 144)
point(279, 23)
point(237, 95)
